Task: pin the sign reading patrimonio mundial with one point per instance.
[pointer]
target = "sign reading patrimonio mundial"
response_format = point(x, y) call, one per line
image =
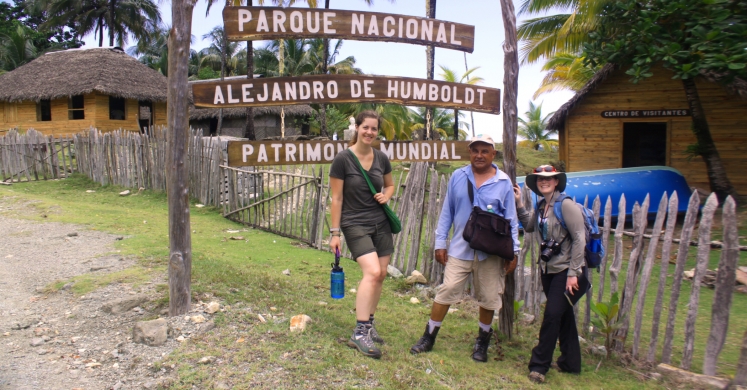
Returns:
point(257, 153)
point(265, 23)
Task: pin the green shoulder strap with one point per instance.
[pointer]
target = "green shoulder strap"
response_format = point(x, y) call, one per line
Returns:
point(365, 175)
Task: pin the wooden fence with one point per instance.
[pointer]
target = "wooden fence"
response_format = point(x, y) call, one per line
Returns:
point(34, 156)
point(293, 201)
point(638, 277)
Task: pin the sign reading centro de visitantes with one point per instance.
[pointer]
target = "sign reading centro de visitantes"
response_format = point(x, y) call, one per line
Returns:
point(267, 23)
point(283, 91)
point(256, 153)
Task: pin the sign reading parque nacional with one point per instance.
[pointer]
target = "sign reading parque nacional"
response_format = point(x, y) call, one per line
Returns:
point(267, 23)
point(283, 91)
point(255, 153)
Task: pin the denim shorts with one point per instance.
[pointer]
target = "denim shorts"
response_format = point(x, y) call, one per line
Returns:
point(364, 239)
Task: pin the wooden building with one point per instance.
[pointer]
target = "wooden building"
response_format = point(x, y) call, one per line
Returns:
point(69, 91)
point(613, 123)
point(267, 120)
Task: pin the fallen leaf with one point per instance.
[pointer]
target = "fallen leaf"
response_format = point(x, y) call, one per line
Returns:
point(241, 340)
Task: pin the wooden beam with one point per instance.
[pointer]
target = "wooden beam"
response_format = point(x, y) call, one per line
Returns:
point(269, 23)
point(284, 91)
point(180, 240)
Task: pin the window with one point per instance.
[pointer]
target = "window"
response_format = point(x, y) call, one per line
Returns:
point(116, 108)
point(644, 144)
point(75, 107)
point(44, 111)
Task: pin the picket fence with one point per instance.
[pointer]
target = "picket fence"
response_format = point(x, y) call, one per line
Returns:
point(293, 201)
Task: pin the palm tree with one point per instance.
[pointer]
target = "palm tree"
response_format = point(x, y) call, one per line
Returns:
point(466, 78)
point(16, 48)
point(442, 122)
point(534, 129)
point(221, 52)
point(119, 17)
point(316, 53)
point(545, 36)
point(153, 49)
point(565, 72)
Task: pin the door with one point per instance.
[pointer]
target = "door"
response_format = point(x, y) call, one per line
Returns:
point(644, 144)
point(145, 116)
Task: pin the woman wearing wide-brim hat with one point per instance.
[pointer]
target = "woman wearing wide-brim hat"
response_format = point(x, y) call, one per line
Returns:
point(563, 269)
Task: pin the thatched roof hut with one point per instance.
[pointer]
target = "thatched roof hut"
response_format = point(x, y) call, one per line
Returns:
point(62, 74)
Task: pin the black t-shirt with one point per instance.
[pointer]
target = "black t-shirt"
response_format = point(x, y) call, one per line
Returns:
point(358, 204)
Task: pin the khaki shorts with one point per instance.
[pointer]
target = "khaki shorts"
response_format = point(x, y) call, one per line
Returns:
point(489, 277)
point(364, 239)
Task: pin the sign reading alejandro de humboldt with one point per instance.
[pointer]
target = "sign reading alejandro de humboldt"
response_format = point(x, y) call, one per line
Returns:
point(264, 23)
point(283, 91)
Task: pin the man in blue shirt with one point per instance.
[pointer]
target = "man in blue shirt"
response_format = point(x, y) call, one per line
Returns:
point(491, 187)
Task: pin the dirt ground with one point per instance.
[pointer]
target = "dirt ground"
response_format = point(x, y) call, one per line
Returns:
point(57, 340)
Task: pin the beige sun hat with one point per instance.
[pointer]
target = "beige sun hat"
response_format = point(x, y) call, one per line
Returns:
point(484, 138)
point(546, 171)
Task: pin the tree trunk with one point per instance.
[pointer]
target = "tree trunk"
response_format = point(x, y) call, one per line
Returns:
point(101, 32)
point(456, 125)
point(112, 6)
point(430, 54)
point(323, 116)
point(180, 240)
point(471, 114)
point(717, 178)
point(249, 123)
point(223, 50)
point(510, 93)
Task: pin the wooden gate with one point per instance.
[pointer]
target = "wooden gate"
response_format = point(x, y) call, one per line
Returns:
point(287, 203)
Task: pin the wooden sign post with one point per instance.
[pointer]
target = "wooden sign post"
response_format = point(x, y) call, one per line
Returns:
point(277, 91)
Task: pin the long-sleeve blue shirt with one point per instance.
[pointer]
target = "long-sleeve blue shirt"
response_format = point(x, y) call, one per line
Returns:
point(496, 191)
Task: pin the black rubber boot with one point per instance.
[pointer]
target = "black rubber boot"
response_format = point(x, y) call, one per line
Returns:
point(425, 344)
point(482, 342)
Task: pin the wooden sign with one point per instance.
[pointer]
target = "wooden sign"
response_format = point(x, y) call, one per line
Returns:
point(267, 23)
point(253, 153)
point(615, 114)
point(284, 91)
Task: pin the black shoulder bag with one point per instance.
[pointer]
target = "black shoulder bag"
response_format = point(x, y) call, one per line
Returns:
point(488, 232)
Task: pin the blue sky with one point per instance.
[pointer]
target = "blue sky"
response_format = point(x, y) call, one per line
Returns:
point(401, 59)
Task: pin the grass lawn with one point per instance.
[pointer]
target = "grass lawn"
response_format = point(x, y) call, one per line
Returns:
point(247, 275)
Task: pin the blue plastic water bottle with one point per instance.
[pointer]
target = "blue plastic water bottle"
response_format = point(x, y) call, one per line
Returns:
point(337, 278)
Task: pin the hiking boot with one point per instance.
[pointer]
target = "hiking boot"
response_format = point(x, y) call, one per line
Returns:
point(374, 334)
point(482, 342)
point(536, 377)
point(426, 342)
point(361, 340)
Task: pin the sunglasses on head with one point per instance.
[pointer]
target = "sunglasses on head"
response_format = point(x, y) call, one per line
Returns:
point(545, 168)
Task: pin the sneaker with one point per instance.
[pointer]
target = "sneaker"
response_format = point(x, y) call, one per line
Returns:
point(536, 377)
point(361, 340)
point(482, 342)
point(426, 342)
point(374, 334)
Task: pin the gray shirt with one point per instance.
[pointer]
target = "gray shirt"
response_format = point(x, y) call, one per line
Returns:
point(571, 254)
point(358, 204)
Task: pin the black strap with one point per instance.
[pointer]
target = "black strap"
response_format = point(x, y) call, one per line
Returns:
point(471, 194)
